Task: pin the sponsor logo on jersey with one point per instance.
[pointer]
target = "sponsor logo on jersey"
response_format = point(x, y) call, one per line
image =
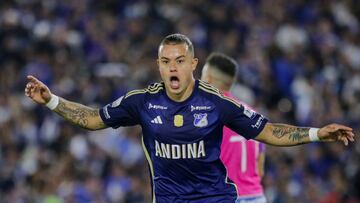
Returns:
point(152, 106)
point(258, 122)
point(117, 102)
point(157, 120)
point(249, 113)
point(180, 151)
point(200, 120)
point(178, 120)
point(198, 108)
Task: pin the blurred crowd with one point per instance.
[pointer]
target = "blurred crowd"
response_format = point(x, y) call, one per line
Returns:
point(299, 63)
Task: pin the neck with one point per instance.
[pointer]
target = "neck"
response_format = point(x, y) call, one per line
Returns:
point(221, 86)
point(182, 96)
point(216, 82)
point(219, 80)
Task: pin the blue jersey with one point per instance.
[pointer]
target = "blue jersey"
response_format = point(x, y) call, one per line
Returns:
point(182, 140)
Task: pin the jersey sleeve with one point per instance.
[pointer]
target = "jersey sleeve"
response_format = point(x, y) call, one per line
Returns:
point(243, 120)
point(122, 112)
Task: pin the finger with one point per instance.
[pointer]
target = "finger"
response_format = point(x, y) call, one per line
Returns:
point(33, 79)
point(351, 139)
point(345, 141)
point(29, 86)
point(342, 127)
point(350, 136)
point(28, 89)
point(27, 93)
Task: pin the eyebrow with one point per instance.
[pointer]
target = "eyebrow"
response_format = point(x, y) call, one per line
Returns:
point(182, 56)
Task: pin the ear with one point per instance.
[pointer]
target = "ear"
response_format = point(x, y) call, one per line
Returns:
point(158, 63)
point(194, 63)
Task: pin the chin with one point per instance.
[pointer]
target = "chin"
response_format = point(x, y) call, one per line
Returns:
point(176, 91)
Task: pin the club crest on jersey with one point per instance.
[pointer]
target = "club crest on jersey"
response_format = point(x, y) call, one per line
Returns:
point(200, 120)
point(178, 120)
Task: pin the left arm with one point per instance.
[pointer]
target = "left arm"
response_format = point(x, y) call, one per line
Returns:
point(244, 121)
point(288, 135)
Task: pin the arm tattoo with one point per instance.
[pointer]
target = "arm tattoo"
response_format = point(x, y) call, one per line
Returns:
point(294, 134)
point(77, 113)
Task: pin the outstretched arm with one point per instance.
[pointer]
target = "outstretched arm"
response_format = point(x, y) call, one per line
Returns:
point(78, 114)
point(287, 135)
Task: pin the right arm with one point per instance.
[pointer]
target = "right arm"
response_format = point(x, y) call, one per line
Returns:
point(78, 114)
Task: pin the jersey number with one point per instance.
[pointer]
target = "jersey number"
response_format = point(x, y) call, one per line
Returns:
point(243, 156)
point(237, 138)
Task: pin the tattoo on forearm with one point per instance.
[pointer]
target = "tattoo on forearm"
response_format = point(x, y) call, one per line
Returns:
point(279, 131)
point(76, 113)
point(293, 133)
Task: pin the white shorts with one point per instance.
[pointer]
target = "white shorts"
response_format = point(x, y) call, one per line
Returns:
point(257, 199)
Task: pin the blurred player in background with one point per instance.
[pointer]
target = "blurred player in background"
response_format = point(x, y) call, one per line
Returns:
point(243, 159)
point(182, 120)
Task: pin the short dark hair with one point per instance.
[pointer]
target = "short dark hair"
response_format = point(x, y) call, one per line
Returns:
point(178, 39)
point(223, 63)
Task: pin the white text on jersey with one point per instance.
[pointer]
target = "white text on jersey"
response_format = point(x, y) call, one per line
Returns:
point(152, 106)
point(180, 151)
point(198, 108)
point(258, 122)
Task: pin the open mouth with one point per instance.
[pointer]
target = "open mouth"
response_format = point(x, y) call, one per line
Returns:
point(174, 82)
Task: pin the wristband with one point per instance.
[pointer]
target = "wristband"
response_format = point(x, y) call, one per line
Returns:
point(53, 103)
point(313, 134)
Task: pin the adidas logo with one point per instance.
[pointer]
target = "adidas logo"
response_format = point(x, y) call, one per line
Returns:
point(157, 120)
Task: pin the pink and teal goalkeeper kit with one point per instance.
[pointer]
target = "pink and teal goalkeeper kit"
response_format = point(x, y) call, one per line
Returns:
point(240, 158)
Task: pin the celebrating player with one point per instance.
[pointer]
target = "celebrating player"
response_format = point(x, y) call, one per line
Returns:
point(243, 159)
point(182, 121)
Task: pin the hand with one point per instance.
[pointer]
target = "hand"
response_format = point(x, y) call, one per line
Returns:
point(336, 132)
point(37, 91)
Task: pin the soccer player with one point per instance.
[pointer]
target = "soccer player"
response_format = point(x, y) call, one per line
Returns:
point(243, 159)
point(182, 121)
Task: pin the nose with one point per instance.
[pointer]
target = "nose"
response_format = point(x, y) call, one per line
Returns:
point(173, 67)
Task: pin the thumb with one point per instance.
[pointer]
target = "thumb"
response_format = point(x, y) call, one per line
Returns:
point(45, 93)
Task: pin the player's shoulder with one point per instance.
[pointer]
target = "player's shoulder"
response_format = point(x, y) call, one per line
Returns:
point(208, 90)
point(152, 89)
point(215, 95)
